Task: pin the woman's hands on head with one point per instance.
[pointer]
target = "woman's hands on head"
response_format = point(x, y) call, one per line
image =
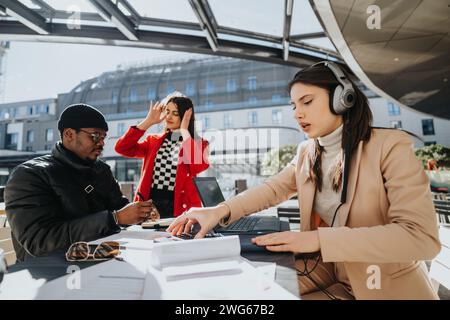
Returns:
point(154, 116)
point(184, 127)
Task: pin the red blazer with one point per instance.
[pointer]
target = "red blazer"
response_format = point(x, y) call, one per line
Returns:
point(191, 161)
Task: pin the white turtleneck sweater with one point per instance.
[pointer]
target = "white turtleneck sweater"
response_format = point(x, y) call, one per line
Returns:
point(326, 201)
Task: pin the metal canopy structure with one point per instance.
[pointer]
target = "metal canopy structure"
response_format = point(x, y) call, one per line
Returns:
point(406, 57)
point(198, 26)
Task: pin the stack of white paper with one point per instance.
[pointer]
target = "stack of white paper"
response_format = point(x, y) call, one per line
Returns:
point(192, 251)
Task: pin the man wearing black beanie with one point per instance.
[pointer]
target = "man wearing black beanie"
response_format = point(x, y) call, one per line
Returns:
point(70, 195)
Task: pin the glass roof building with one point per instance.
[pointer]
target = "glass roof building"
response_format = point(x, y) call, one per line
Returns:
point(214, 84)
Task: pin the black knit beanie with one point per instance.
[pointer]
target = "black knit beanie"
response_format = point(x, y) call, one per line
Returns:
point(81, 115)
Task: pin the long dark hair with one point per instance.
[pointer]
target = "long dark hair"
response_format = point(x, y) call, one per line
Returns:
point(183, 104)
point(357, 121)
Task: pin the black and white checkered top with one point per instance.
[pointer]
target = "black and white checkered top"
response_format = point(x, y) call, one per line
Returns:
point(165, 168)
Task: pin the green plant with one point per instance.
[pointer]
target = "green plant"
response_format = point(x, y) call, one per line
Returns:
point(276, 159)
point(437, 152)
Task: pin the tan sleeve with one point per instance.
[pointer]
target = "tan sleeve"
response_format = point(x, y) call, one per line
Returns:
point(273, 191)
point(411, 232)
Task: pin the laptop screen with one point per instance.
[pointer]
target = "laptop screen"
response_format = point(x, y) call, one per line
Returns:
point(209, 191)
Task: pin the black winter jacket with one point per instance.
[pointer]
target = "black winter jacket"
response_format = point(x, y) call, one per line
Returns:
point(55, 200)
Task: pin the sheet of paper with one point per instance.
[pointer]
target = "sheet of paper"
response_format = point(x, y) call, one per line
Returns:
point(137, 240)
point(268, 269)
point(160, 222)
point(249, 284)
point(108, 280)
point(201, 269)
point(20, 286)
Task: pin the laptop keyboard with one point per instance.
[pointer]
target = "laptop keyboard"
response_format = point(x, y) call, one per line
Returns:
point(243, 224)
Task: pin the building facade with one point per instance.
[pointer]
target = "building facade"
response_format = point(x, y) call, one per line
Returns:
point(28, 125)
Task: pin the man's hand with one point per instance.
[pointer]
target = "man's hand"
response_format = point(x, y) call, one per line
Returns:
point(135, 212)
point(154, 213)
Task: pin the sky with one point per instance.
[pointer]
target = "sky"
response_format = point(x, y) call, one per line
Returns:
point(39, 70)
point(42, 70)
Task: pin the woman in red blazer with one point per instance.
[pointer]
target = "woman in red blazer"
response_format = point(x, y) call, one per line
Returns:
point(171, 159)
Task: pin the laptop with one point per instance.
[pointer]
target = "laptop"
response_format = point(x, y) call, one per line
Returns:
point(211, 195)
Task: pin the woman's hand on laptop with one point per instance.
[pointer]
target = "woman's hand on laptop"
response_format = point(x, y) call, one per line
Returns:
point(207, 218)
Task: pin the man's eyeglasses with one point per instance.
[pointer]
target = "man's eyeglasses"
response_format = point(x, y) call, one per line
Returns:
point(80, 251)
point(96, 137)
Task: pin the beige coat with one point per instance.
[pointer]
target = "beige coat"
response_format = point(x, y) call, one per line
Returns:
point(388, 224)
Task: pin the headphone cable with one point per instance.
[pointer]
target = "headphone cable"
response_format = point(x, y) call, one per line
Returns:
point(307, 273)
point(305, 257)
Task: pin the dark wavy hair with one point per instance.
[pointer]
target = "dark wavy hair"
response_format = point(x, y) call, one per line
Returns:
point(183, 104)
point(357, 121)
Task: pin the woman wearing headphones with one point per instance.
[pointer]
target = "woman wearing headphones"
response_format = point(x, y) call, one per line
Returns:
point(366, 209)
point(171, 159)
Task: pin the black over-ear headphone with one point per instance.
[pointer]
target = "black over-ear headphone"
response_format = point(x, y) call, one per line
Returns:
point(344, 95)
point(343, 98)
